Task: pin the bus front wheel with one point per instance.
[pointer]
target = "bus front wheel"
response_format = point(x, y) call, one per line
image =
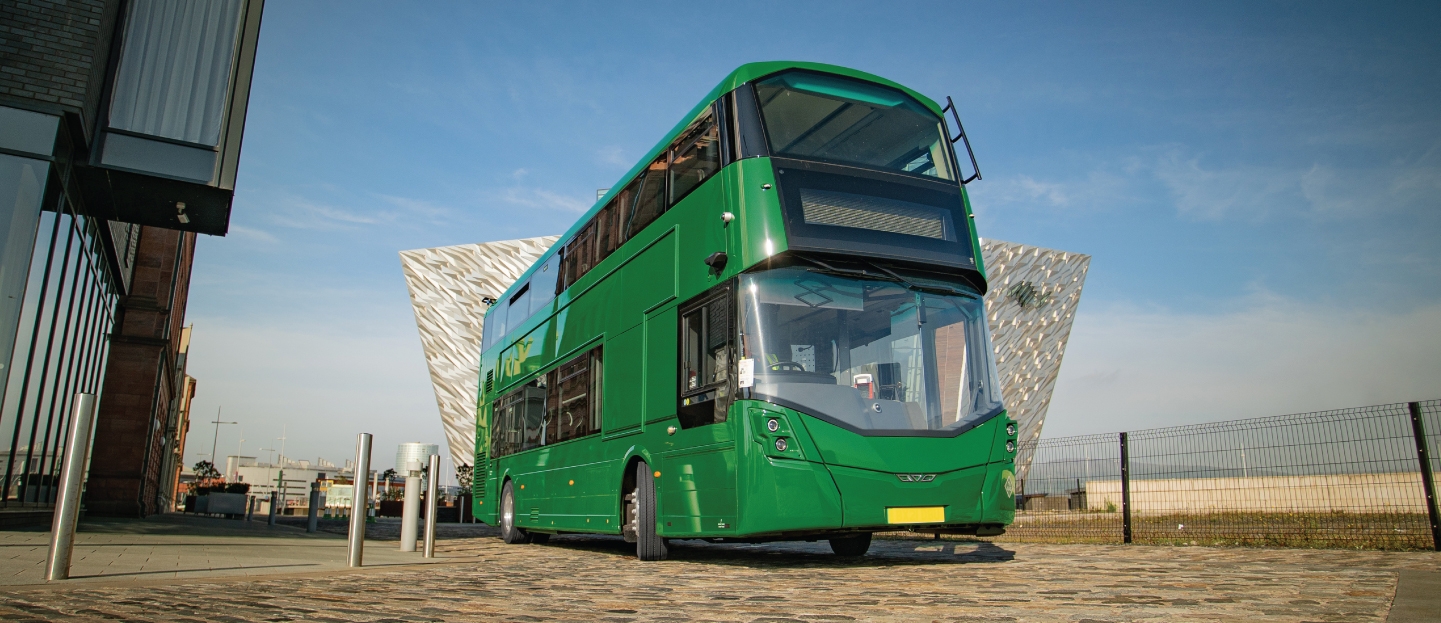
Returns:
point(508, 531)
point(648, 544)
point(852, 546)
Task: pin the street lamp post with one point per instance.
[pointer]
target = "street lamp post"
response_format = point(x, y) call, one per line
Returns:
point(238, 445)
point(216, 440)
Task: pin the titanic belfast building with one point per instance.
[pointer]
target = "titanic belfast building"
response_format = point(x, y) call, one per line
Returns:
point(1030, 305)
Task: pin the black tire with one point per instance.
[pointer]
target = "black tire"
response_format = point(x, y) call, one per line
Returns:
point(648, 544)
point(508, 531)
point(852, 546)
point(539, 538)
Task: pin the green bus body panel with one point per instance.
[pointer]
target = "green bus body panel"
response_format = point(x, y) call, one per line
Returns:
point(726, 479)
point(903, 455)
point(743, 74)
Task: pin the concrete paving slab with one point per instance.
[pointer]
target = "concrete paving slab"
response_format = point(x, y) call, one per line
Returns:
point(187, 547)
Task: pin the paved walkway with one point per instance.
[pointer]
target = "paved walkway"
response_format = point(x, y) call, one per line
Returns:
point(586, 578)
point(184, 547)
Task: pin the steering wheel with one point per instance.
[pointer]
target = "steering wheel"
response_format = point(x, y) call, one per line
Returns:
point(787, 365)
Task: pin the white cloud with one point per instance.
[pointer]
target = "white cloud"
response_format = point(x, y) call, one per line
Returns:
point(1133, 369)
point(1099, 189)
point(544, 199)
point(302, 213)
point(1251, 193)
point(247, 233)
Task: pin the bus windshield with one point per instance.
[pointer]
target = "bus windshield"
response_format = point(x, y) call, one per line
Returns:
point(814, 116)
point(871, 355)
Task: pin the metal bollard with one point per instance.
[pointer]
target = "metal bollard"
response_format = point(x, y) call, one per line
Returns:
point(250, 507)
point(72, 477)
point(431, 504)
point(359, 500)
point(410, 512)
point(274, 499)
point(312, 520)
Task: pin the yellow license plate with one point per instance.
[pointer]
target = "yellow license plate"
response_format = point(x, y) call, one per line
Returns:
point(916, 514)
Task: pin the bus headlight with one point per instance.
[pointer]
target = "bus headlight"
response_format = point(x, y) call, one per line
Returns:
point(1011, 430)
point(1010, 446)
point(773, 425)
point(780, 443)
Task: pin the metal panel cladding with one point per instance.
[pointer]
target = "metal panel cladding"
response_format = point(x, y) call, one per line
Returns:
point(447, 285)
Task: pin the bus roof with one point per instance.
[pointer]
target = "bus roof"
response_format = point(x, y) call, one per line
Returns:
point(743, 74)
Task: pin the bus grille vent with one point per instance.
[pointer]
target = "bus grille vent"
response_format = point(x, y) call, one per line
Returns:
point(825, 207)
point(489, 380)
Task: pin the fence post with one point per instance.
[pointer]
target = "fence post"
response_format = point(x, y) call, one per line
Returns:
point(1428, 480)
point(1125, 490)
point(72, 478)
point(274, 498)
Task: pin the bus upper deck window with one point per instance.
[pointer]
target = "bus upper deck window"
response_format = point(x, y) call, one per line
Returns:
point(697, 157)
point(814, 116)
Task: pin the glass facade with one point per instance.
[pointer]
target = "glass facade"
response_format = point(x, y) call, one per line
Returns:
point(22, 185)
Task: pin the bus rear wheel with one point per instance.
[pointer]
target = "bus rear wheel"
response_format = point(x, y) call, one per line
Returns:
point(648, 544)
point(852, 546)
point(508, 531)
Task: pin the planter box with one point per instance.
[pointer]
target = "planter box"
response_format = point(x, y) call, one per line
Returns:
point(223, 504)
point(201, 503)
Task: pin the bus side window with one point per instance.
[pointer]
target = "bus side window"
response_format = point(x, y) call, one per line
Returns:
point(495, 324)
point(543, 283)
point(650, 202)
point(705, 329)
point(519, 308)
point(605, 232)
point(532, 415)
point(578, 254)
point(552, 406)
point(597, 389)
point(697, 158)
point(575, 398)
point(487, 331)
point(623, 203)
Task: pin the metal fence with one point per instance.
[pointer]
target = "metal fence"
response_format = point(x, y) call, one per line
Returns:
point(1348, 478)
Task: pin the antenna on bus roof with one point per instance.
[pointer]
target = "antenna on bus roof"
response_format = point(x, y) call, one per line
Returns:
point(951, 106)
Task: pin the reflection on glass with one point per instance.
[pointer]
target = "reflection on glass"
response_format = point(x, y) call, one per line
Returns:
point(174, 75)
point(696, 159)
point(821, 117)
point(873, 355)
point(519, 308)
point(22, 184)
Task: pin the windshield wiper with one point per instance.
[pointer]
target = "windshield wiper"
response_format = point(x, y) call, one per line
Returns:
point(887, 274)
point(932, 287)
point(852, 272)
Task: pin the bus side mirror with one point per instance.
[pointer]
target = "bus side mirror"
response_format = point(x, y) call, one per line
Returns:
point(716, 262)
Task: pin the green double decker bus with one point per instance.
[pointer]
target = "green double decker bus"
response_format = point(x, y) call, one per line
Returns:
point(772, 328)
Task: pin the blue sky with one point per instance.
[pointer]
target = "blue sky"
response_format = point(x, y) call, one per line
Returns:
point(1257, 183)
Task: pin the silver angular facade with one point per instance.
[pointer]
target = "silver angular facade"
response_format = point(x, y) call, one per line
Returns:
point(1031, 304)
point(447, 285)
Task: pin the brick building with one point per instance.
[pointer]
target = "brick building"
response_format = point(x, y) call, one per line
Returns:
point(120, 131)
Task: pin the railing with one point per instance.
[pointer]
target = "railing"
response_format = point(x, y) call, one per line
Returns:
point(1348, 478)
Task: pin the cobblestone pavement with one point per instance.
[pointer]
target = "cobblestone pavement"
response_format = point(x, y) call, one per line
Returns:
point(577, 578)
